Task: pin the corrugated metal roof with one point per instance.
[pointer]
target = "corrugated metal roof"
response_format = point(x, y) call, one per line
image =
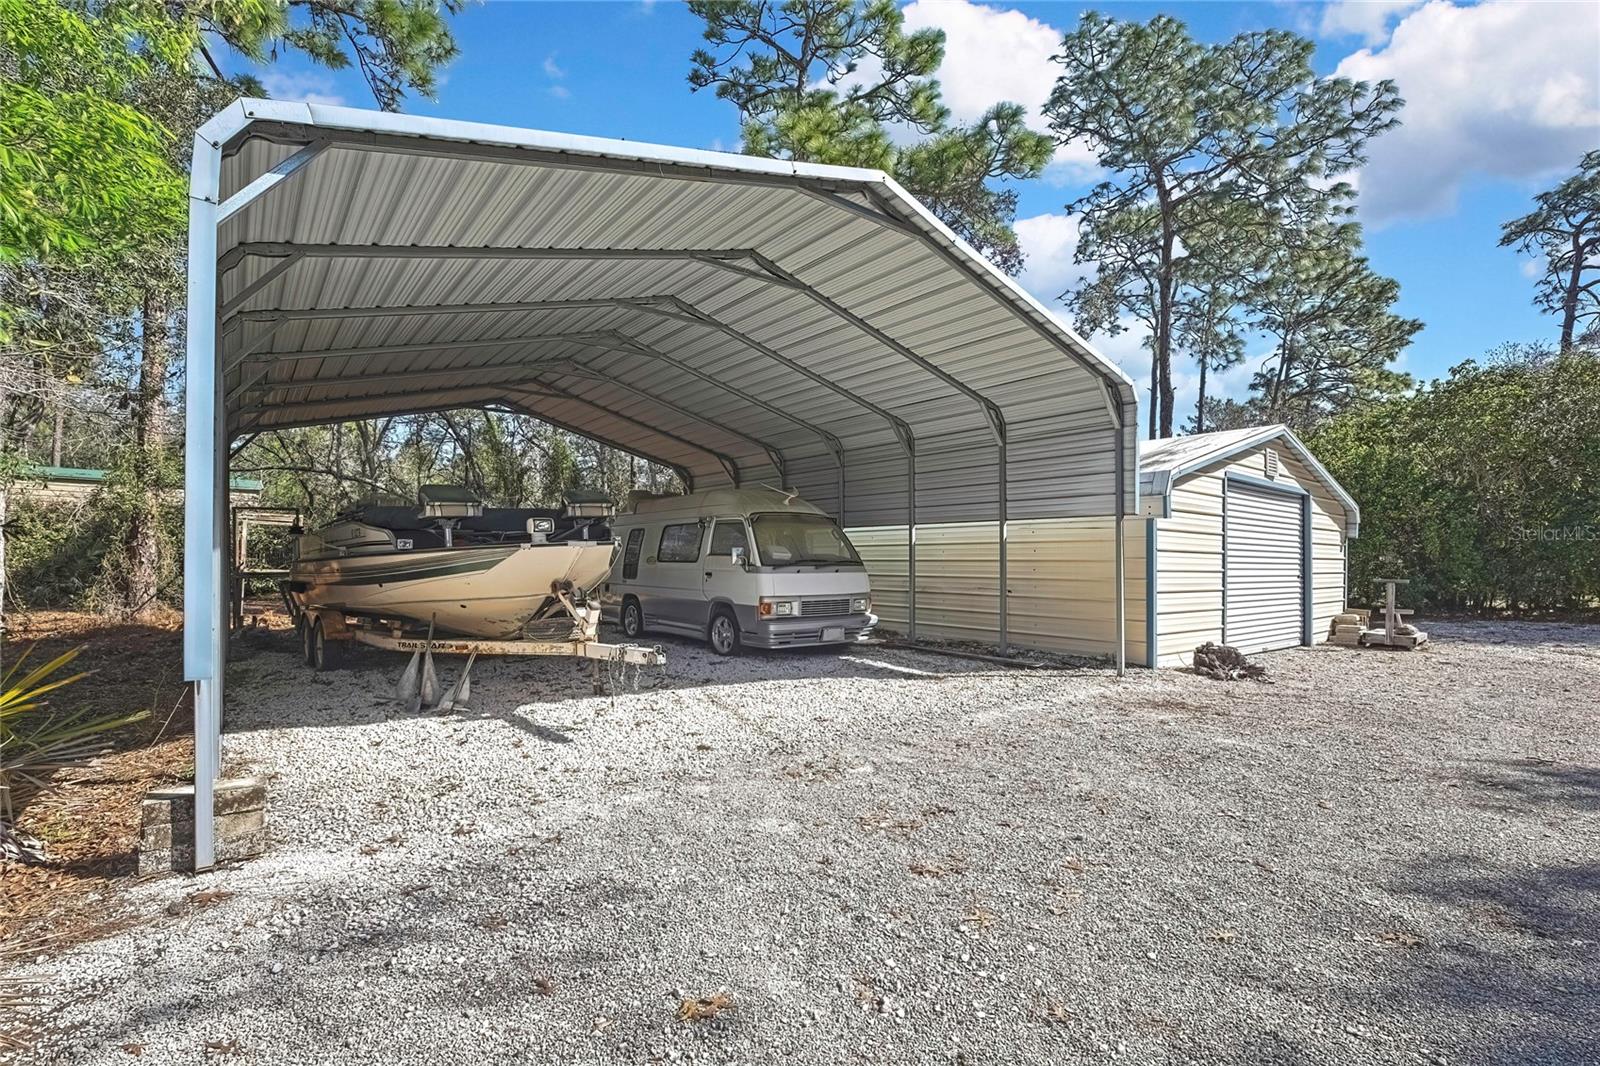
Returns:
point(1172, 454)
point(745, 320)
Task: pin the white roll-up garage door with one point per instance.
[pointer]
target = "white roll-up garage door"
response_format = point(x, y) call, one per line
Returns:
point(1263, 579)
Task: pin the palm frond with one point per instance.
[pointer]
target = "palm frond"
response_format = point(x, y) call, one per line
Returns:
point(36, 743)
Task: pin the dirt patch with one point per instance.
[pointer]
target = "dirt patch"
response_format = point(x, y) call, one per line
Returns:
point(89, 818)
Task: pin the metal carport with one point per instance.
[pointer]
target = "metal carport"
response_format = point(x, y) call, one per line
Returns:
point(739, 319)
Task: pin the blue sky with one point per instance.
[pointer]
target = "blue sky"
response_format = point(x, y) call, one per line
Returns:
point(1502, 97)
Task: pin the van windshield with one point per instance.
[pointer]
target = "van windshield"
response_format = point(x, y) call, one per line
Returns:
point(801, 540)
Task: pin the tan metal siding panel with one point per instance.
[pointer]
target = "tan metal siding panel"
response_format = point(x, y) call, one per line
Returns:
point(1060, 587)
point(1062, 581)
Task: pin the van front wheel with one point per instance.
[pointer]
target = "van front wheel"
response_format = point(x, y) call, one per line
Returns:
point(632, 619)
point(724, 632)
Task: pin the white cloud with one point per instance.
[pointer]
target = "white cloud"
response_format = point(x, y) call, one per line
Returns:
point(560, 92)
point(993, 55)
point(1050, 242)
point(550, 68)
point(989, 55)
point(1505, 89)
point(311, 86)
point(1367, 19)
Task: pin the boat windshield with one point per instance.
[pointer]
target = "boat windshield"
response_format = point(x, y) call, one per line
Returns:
point(801, 540)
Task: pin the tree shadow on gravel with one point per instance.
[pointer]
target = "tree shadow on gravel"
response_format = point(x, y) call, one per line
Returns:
point(1539, 781)
point(1520, 634)
point(424, 995)
point(1510, 953)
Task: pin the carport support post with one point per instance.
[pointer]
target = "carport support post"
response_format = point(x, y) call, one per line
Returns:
point(1120, 550)
point(1001, 504)
point(911, 537)
point(204, 499)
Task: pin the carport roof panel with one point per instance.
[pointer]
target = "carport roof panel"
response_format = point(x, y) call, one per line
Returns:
point(838, 269)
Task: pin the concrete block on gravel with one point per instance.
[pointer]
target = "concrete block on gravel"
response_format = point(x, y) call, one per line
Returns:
point(166, 841)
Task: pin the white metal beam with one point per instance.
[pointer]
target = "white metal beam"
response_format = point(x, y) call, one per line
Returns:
point(269, 181)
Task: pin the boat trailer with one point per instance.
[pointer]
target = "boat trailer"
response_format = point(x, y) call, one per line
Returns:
point(574, 633)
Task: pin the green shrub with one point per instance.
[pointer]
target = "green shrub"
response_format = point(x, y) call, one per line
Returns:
point(1483, 489)
point(63, 555)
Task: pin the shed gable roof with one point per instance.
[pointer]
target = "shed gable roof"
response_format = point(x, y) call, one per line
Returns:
point(1163, 462)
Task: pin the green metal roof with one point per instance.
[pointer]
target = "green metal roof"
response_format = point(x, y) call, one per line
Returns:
point(79, 473)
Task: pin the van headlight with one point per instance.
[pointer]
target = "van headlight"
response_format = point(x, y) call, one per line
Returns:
point(770, 608)
point(861, 605)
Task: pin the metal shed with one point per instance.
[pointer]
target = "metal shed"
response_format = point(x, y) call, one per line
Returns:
point(742, 320)
point(1246, 536)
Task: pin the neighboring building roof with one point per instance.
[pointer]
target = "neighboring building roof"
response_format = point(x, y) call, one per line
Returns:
point(87, 474)
point(1163, 462)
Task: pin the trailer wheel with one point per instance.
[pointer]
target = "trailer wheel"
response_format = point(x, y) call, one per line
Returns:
point(632, 619)
point(325, 654)
point(302, 629)
point(724, 632)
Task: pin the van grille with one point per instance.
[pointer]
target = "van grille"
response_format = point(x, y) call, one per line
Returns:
point(824, 608)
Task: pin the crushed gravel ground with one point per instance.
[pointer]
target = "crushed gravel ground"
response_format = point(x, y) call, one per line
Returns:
point(888, 856)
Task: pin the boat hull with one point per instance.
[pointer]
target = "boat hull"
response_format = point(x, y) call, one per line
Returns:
point(489, 592)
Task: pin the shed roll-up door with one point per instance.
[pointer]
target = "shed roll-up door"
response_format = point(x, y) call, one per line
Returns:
point(1263, 578)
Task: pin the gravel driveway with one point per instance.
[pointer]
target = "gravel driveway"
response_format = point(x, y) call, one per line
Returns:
point(894, 857)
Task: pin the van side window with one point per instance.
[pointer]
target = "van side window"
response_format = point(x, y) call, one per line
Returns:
point(726, 536)
point(630, 554)
point(680, 543)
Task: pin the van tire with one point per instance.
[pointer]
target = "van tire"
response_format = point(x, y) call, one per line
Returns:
point(723, 632)
point(302, 630)
point(632, 619)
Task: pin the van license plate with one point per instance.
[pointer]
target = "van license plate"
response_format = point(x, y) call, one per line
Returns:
point(833, 633)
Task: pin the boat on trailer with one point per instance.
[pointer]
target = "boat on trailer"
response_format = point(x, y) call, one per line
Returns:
point(504, 581)
point(467, 569)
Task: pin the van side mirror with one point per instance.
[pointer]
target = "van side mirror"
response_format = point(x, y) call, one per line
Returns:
point(740, 559)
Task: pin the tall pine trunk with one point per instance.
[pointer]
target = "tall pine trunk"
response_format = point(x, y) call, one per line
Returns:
point(1155, 391)
point(1200, 404)
point(1164, 289)
point(1162, 400)
point(1569, 301)
point(149, 435)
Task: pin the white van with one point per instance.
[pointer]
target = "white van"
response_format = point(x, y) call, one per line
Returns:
point(739, 568)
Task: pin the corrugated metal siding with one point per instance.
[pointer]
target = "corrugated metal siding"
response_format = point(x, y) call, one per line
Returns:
point(1189, 555)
